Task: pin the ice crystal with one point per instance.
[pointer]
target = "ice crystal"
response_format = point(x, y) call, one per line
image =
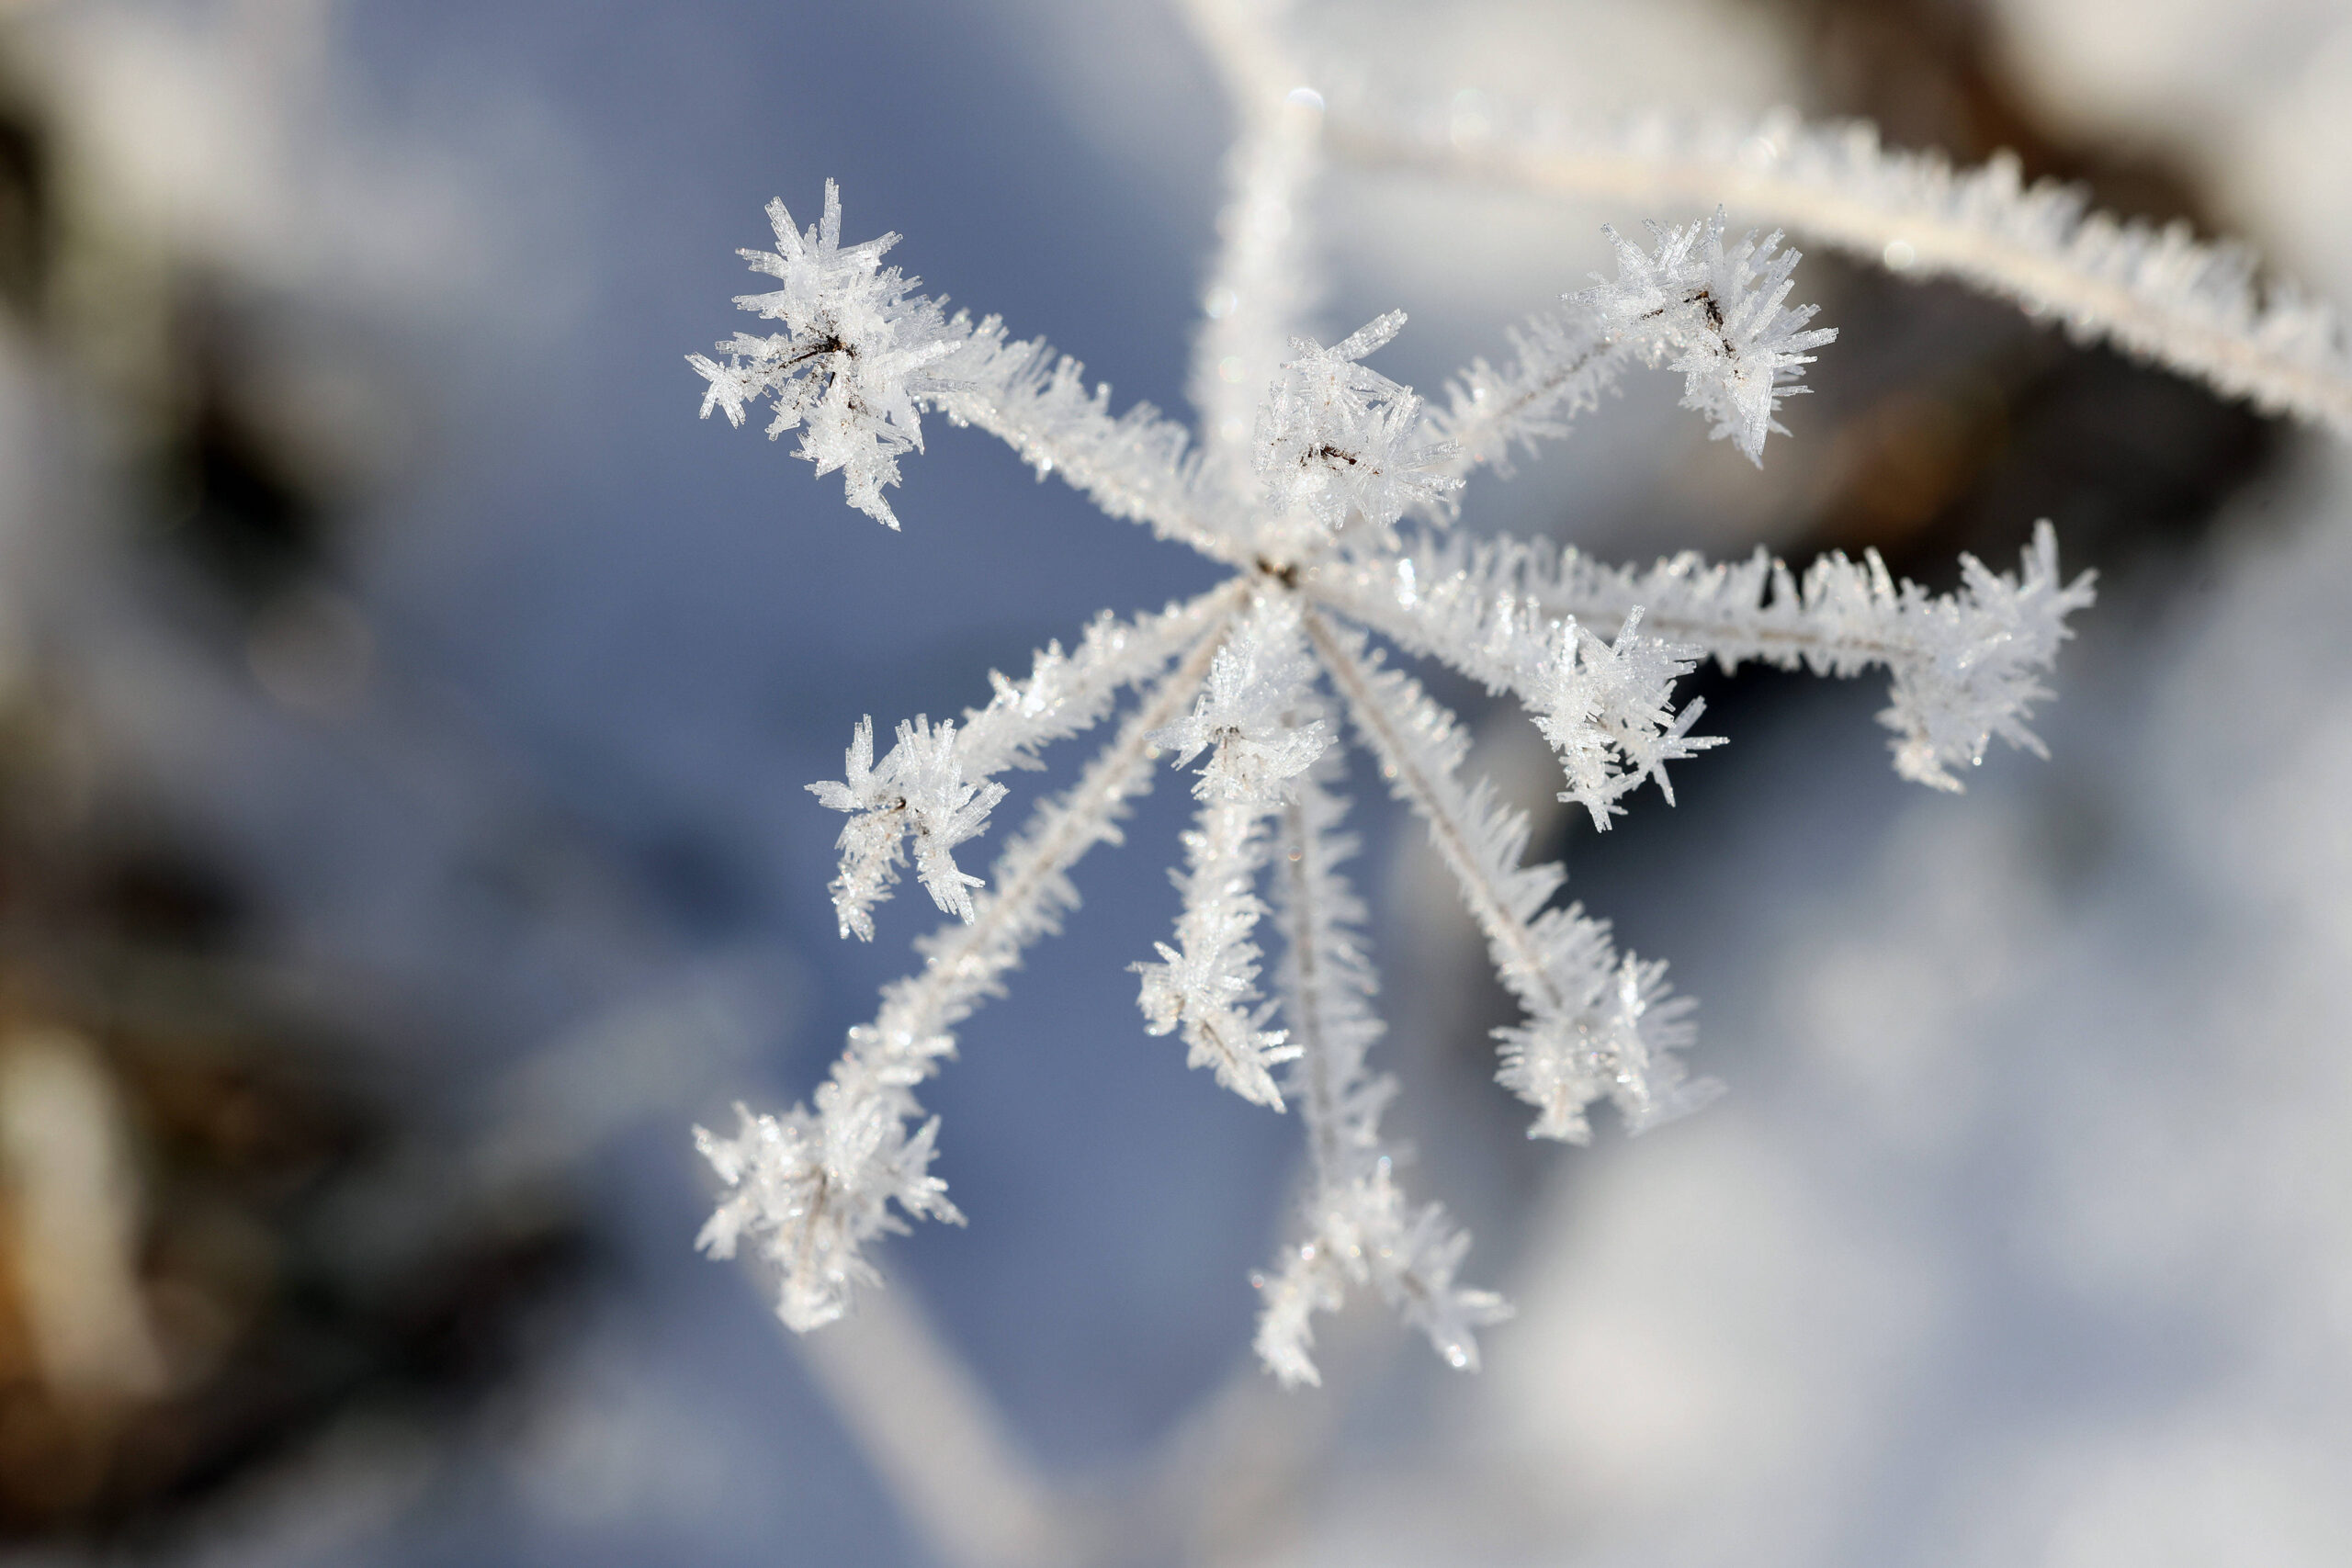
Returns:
point(1715, 315)
point(919, 791)
point(1331, 506)
point(851, 365)
point(1338, 440)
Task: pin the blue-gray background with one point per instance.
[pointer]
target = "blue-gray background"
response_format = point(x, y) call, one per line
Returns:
point(1938, 1282)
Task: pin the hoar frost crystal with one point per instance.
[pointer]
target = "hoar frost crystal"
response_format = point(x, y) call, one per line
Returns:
point(1330, 502)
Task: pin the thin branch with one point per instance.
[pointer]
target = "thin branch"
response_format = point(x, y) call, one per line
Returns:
point(1135, 466)
point(1966, 665)
point(1564, 362)
point(1327, 980)
point(817, 1186)
point(2194, 307)
point(1257, 721)
point(1360, 1228)
point(1262, 281)
point(934, 785)
point(1420, 769)
point(1031, 886)
point(1596, 1025)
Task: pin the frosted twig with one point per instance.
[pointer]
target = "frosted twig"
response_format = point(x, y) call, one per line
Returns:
point(2194, 307)
point(1206, 982)
point(1596, 1025)
point(1255, 718)
point(1262, 280)
point(1562, 362)
point(1360, 1228)
point(934, 785)
point(1965, 666)
point(818, 1186)
point(1066, 693)
point(1710, 309)
point(1135, 466)
point(861, 355)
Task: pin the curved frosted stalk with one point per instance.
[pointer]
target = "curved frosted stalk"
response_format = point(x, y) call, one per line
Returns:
point(2195, 307)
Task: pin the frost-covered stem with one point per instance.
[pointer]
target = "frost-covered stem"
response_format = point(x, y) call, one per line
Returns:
point(1310, 930)
point(935, 786)
point(1967, 666)
point(1596, 1025)
point(1326, 981)
point(1440, 800)
point(1360, 1228)
point(2159, 293)
point(1066, 693)
point(816, 1186)
point(1511, 590)
point(1031, 887)
point(1256, 718)
point(1134, 466)
point(1425, 601)
point(860, 355)
point(1697, 301)
point(1205, 984)
point(1260, 284)
point(1490, 411)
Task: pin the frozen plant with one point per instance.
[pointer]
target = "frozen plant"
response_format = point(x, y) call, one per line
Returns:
point(2156, 292)
point(1328, 490)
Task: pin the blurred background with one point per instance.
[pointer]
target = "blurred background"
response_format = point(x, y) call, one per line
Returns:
point(404, 704)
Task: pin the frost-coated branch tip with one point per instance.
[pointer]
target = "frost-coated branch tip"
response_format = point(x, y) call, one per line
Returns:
point(1339, 441)
point(1717, 314)
point(852, 364)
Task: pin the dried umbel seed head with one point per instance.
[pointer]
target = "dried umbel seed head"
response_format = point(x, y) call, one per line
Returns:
point(1329, 509)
